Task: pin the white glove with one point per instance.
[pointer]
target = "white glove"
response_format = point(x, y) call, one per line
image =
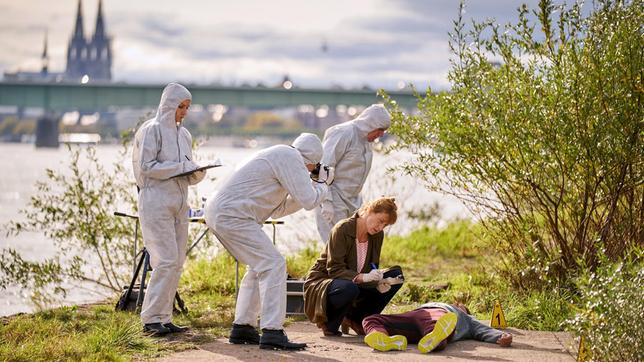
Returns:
point(330, 175)
point(374, 275)
point(326, 209)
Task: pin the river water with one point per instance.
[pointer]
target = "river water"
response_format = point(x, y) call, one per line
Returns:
point(22, 165)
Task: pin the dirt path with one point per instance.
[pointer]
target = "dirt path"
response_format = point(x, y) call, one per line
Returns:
point(527, 346)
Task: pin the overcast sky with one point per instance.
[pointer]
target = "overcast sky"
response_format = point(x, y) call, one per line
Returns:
point(378, 43)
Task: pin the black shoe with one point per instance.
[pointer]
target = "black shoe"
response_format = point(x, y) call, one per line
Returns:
point(243, 334)
point(277, 339)
point(155, 329)
point(175, 328)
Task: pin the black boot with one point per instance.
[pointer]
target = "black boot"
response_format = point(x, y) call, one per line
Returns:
point(277, 339)
point(155, 329)
point(243, 334)
point(175, 328)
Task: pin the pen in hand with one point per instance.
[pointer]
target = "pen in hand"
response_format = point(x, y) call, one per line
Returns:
point(187, 157)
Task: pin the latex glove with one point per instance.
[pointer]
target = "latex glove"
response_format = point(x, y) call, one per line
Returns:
point(326, 209)
point(374, 275)
point(383, 286)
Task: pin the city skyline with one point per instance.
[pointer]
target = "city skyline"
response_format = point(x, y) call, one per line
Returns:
point(373, 43)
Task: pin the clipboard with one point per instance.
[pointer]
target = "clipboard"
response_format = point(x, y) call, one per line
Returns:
point(212, 165)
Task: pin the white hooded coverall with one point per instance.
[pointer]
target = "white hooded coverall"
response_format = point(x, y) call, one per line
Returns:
point(347, 148)
point(161, 150)
point(274, 183)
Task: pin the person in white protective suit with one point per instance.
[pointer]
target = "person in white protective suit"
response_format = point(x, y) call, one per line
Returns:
point(163, 149)
point(274, 183)
point(347, 148)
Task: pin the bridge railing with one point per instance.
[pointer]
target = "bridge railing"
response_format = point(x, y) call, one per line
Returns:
point(101, 96)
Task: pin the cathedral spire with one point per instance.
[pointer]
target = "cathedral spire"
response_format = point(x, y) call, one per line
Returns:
point(99, 32)
point(78, 29)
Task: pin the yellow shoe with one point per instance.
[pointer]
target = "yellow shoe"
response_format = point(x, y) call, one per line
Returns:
point(382, 342)
point(444, 327)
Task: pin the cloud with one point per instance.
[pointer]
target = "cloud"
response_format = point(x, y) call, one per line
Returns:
point(378, 43)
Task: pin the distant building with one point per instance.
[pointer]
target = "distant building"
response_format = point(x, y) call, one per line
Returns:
point(43, 76)
point(89, 57)
point(88, 60)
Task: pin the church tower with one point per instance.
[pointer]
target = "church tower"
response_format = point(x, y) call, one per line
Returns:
point(45, 58)
point(77, 49)
point(91, 57)
point(100, 49)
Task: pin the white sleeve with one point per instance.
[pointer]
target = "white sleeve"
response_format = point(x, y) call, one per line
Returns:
point(148, 149)
point(287, 207)
point(294, 177)
point(335, 146)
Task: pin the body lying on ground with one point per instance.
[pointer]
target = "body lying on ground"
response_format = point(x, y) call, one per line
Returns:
point(432, 326)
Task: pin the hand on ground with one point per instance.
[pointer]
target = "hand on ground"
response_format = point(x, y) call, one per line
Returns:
point(505, 340)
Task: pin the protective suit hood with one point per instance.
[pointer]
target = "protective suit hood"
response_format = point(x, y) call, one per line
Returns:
point(173, 94)
point(310, 147)
point(373, 117)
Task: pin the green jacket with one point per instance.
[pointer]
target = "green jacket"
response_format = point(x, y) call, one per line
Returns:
point(339, 260)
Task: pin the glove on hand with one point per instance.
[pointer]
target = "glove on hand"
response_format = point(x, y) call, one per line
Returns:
point(374, 275)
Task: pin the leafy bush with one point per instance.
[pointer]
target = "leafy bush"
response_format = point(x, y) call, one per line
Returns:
point(76, 212)
point(541, 134)
point(76, 209)
point(612, 315)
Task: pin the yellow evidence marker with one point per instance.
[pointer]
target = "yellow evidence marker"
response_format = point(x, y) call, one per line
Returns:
point(498, 318)
point(583, 354)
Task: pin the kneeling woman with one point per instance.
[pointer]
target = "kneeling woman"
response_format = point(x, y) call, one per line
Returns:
point(341, 287)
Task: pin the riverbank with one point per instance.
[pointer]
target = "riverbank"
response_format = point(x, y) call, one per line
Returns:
point(447, 264)
point(21, 175)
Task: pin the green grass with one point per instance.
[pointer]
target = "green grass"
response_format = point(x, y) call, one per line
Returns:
point(448, 264)
point(77, 333)
point(456, 264)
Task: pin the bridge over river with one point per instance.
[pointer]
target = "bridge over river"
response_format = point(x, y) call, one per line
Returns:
point(56, 98)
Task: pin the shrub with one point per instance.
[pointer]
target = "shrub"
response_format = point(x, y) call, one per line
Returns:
point(76, 212)
point(541, 135)
point(612, 314)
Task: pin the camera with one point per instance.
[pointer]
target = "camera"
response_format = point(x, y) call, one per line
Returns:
point(320, 173)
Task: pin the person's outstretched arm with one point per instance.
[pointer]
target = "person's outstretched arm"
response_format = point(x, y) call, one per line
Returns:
point(481, 332)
